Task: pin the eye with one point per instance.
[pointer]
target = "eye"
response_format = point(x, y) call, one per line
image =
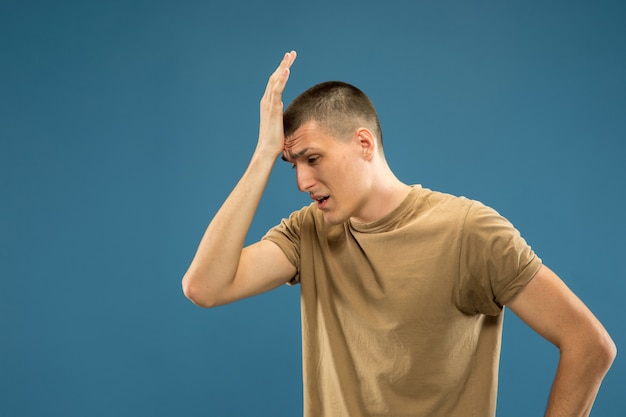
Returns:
point(312, 159)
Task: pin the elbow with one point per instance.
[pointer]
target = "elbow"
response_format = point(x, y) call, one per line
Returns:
point(198, 295)
point(599, 353)
point(606, 352)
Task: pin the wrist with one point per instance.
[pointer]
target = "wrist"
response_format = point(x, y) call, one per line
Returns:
point(266, 153)
point(264, 158)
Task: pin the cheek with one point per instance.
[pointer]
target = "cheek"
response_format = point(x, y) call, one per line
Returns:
point(352, 174)
point(344, 176)
point(349, 165)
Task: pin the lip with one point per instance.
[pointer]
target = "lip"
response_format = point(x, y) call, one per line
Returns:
point(321, 200)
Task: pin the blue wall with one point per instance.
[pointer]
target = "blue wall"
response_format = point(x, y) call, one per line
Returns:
point(124, 125)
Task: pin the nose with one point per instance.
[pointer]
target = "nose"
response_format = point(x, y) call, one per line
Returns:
point(304, 178)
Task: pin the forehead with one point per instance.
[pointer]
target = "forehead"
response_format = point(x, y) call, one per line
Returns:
point(307, 136)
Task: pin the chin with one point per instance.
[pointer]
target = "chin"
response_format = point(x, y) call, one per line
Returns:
point(334, 219)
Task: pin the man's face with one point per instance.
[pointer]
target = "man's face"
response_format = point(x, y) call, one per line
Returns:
point(332, 170)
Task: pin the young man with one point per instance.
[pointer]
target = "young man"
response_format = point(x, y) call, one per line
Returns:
point(402, 288)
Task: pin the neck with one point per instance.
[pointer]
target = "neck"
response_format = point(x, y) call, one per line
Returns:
point(387, 193)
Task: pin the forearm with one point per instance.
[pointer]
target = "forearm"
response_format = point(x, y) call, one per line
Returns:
point(215, 263)
point(586, 349)
point(578, 380)
point(214, 267)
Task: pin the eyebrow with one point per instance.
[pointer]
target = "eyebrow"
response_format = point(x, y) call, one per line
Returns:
point(294, 155)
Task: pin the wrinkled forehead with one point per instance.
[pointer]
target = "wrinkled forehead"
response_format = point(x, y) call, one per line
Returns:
point(294, 148)
point(306, 138)
point(290, 143)
point(302, 135)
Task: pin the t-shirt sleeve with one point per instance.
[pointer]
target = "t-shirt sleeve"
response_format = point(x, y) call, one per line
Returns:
point(287, 236)
point(495, 261)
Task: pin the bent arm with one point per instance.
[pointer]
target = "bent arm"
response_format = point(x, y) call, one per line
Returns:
point(586, 349)
point(220, 271)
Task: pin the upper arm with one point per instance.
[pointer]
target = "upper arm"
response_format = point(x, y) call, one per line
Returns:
point(262, 266)
point(550, 308)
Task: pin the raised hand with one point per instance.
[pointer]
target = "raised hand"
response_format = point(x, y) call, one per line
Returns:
point(221, 271)
point(271, 135)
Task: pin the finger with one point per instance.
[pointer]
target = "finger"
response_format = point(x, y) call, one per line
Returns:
point(291, 57)
point(281, 72)
point(288, 59)
point(284, 63)
point(279, 85)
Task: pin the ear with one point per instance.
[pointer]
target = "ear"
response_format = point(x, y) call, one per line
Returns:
point(367, 143)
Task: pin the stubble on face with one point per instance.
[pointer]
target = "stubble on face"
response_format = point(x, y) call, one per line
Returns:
point(336, 180)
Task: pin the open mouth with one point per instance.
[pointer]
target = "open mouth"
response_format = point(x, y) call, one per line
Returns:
point(321, 202)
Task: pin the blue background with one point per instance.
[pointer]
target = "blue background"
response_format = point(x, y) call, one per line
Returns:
point(124, 125)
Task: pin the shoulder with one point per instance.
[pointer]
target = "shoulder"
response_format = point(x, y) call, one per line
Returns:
point(441, 203)
point(445, 206)
point(298, 222)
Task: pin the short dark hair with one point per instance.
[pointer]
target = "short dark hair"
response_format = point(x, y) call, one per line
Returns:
point(336, 106)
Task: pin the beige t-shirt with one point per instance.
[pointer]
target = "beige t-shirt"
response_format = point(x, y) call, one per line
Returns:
point(403, 316)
